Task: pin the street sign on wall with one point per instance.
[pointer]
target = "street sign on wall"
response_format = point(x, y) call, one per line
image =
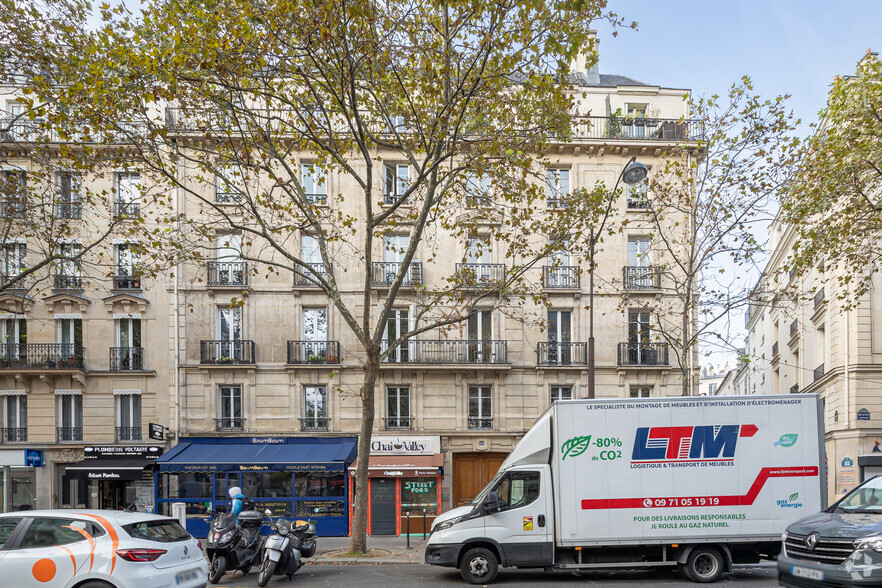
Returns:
point(156, 431)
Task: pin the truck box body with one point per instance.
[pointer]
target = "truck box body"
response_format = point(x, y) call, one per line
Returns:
point(684, 469)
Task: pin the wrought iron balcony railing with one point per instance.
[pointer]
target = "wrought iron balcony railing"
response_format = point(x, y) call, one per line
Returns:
point(794, 326)
point(481, 275)
point(69, 434)
point(794, 388)
point(398, 423)
point(638, 128)
point(775, 349)
point(309, 278)
point(314, 424)
point(383, 273)
point(125, 359)
point(313, 352)
point(128, 434)
point(228, 197)
point(229, 424)
point(227, 352)
point(641, 277)
point(69, 210)
point(638, 202)
point(636, 353)
point(68, 282)
point(565, 353)
point(819, 298)
point(480, 424)
point(227, 273)
point(125, 282)
point(15, 434)
point(448, 352)
point(317, 199)
point(12, 207)
point(562, 277)
point(818, 373)
point(57, 356)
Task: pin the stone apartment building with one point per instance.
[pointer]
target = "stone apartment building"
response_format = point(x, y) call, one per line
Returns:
point(264, 394)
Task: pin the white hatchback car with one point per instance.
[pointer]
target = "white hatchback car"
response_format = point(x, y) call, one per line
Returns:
point(98, 549)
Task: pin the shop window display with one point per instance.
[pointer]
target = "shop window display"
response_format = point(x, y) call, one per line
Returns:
point(418, 494)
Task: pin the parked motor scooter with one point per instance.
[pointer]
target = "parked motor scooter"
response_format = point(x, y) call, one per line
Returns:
point(232, 546)
point(284, 550)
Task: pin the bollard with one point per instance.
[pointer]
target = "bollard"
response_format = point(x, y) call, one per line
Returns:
point(408, 529)
point(424, 524)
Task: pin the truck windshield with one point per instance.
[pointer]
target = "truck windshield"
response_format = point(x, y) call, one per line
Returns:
point(867, 498)
point(487, 488)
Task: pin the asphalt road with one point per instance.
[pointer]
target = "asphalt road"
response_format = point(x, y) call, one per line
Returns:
point(404, 576)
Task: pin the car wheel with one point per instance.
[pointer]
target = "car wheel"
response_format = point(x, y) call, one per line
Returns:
point(95, 584)
point(217, 569)
point(479, 566)
point(704, 564)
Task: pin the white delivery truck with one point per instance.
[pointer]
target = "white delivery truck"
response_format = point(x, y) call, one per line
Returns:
point(697, 482)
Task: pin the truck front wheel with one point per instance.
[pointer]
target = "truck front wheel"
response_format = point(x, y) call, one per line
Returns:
point(704, 564)
point(479, 566)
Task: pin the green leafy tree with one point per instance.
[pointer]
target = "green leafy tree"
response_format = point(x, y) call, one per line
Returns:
point(835, 202)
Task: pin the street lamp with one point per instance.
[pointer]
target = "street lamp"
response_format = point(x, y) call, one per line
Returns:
point(633, 173)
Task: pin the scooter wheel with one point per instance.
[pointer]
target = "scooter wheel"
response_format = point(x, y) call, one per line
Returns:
point(267, 569)
point(217, 569)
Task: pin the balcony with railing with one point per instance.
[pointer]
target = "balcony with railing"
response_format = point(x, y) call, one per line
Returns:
point(628, 128)
point(794, 327)
point(69, 210)
point(383, 274)
point(15, 434)
point(637, 277)
point(126, 282)
point(126, 359)
point(449, 352)
point(20, 282)
point(227, 273)
point(819, 298)
point(314, 424)
point(480, 423)
point(40, 356)
point(128, 434)
point(69, 434)
point(220, 352)
point(818, 373)
point(776, 354)
point(316, 199)
point(68, 282)
point(227, 424)
point(309, 278)
point(228, 197)
point(313, 352)
point(398, 423)
point(481, 275)
point(12, 207)
point(562, 277)
point(126, 210)
point(555, 353)
point(632, 353)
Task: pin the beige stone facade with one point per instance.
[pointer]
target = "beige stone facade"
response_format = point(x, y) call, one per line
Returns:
point(215, 369)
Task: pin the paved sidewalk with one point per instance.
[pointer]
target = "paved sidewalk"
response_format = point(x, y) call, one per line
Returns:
point(395, 546)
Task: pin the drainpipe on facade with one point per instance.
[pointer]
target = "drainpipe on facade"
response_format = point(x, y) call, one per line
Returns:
point(176, 346)
point(845, 374)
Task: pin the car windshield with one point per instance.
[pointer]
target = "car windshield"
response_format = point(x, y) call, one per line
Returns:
point(866, 498)
point(487, 488)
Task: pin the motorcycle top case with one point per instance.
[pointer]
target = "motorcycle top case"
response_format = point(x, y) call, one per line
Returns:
point(250, 518)
point(674, 469)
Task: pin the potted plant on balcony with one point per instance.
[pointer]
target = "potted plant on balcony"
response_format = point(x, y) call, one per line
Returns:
point(333, 359)
point(315, 359)
point(72, 361)
point(224, 359)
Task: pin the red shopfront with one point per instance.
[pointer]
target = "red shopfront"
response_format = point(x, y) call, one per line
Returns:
point(401, 485)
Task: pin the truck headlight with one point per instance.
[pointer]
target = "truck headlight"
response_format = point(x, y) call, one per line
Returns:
point(446, 524)
point(873, 542)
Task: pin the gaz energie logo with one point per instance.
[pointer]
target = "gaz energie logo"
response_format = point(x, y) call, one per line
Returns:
point(689, 444)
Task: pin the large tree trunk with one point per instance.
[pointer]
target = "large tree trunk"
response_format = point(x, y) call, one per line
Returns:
point(358, 541)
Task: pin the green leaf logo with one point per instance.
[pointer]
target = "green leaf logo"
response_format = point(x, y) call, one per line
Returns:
point(787, 440)
point(575, 446)
point(793, 497)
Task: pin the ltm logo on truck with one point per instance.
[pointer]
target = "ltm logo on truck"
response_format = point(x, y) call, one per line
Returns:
point(705, 442)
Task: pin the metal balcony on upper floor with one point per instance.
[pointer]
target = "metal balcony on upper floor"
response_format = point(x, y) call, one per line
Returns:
point(562, 353)
point(562, 277)
point(313, 352)
point(309, 278)
point(481, 351)
point(221, 352)
point(481, 275)
point(636, 277)
point(383, 274)
point(125, 359)
point(227, 273)
point(37, 356)
point(635, 353)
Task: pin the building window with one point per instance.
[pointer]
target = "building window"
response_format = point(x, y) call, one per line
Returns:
point(397, 325)
point(70, 331)
point(13, 193)
point(229, 269)
point(128, 194)
point(711, 389)
point(397, 182)
point(641, 391)
point(634, 124)
point(128, 353)
point(480, 408)
point(315, 409)
point(638, 195)
point(314, 185)
point(13, 337)
point(560, 343)
point(561, 393)
point(69, 266)
point(229, 184)
point(477, 189)
point(69, 204)
point(70, 417)
point(397, 407)
point(15, 418)
point(557, 186)
point(229, 408)
point(14, 259)
point(128, 417)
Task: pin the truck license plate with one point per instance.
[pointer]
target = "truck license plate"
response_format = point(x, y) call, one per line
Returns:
point(186, 576)
point(807, 573)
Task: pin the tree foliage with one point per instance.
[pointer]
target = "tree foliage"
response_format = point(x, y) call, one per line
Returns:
point(835, 201)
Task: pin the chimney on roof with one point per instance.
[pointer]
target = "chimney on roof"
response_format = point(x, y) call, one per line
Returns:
point(579, 65)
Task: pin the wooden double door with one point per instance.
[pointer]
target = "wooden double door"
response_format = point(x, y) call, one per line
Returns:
point(471, 472)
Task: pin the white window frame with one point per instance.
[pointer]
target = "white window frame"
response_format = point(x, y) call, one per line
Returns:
point(314, 181)
point(128, 193)
point(640, 392)
point(477, 395)
point(310, 394)
point(399, 393)
point(558, 392)
point(396, 181)
point(557, 185)
point(15, 417)
point(227, 394)
point(133, 399)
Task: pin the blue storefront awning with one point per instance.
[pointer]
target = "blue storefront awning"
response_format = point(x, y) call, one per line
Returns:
point(259, 454)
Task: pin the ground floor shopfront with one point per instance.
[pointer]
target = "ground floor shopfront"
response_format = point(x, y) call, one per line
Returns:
point(294, 477)
point(18, 478)
point(111, 477)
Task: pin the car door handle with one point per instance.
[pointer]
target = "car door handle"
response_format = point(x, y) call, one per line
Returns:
point(541, 520)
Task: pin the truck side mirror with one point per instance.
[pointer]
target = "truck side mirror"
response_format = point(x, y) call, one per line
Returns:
point(492, 503)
